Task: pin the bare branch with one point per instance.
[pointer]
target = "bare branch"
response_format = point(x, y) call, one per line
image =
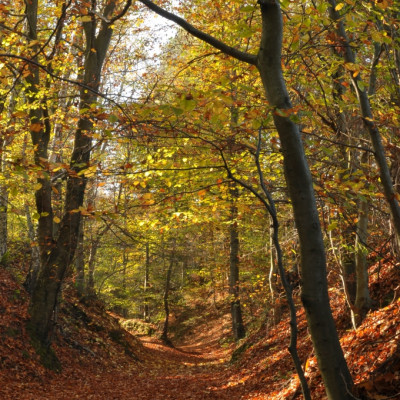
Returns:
point(231, 51)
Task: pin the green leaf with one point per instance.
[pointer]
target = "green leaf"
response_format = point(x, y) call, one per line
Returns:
point(361, 85)
point(247, 8)
point(177, 111)
point(332, 226)
point(187, 105)
point(86, 18)
point(113, 118)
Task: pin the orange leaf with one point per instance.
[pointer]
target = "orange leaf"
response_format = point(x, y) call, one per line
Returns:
point(36, 127)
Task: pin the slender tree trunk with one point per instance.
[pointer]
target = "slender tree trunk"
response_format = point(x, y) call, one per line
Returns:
point(368, 119)
point(272, 276)
point(93, 247)
point(164, 335)
point(146, 284)
point(234, 291)
point(5, 140)
point(3, 206)
point(363, 300)
point(90, 290)
point(34, 266)
point(80, 262)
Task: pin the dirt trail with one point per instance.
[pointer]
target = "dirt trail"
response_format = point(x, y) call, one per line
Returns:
point(195, 370)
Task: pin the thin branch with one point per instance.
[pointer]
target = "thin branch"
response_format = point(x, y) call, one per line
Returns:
point(60, 78)
point(122, 13)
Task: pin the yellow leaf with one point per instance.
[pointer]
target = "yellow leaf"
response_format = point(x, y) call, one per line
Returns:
point(19, 114)
point(56, 220)
point(339, 6)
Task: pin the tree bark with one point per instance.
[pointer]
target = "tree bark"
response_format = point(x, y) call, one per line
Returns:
point(146, 284)
point(164, 335)
point(80, 262)
point(234, 291)
point(57, 252)
point(333, 367)
point(368, 119)
point(93, 247)
point(3, 202)
point(363, 300)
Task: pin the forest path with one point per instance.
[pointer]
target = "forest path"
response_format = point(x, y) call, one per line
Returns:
point(197, 369)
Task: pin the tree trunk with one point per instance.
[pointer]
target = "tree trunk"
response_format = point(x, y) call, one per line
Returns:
point(5, 140)
point(80, 262)
point(333, 367)
point(34, 266)
point(363, 300)
point(146, 284)
point(3, 221)
point(236, 311)
point(368, 119)
point(57, 252)
point(93, 247)
point(272, 275)
point(164, 335)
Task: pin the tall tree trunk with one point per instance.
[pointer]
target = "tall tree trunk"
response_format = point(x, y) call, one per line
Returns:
point(272, 275)
point(236, 311)
point(146, 284)
point(167, 287)
point(34, 266)
point(331, 361)
point(80, 262)
point(58, 251)
point(5, 140)
point(3, 204)
point(93, 247)
point(368, 119)
point(363, 300)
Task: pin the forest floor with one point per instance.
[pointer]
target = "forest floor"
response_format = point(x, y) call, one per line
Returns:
point(100, 360)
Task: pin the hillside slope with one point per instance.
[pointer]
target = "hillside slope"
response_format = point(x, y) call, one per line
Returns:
point(103, 361)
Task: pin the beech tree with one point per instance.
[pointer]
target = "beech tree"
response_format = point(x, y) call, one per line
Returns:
point(333, 367)
point(57, 246)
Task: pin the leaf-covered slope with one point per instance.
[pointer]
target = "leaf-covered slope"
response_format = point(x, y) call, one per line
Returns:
point(102, 361)
point(88, 341)
point(372, 351)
